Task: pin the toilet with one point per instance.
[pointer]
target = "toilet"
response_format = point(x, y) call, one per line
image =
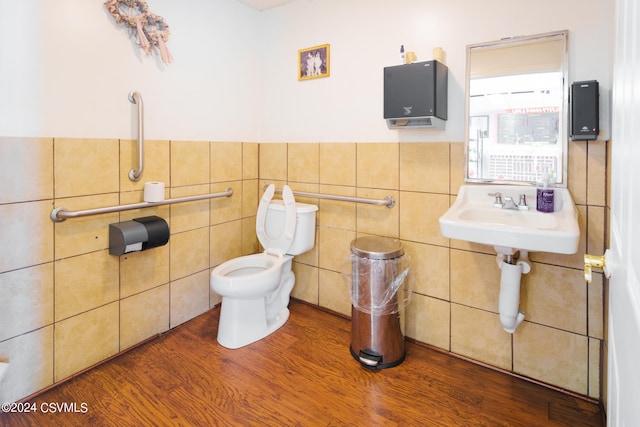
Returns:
point(255, 289)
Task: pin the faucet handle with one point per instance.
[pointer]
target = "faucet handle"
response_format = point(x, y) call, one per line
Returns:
point(498, 202)
point(522, 204)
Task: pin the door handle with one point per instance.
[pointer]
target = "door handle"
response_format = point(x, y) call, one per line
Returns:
point(594, 261)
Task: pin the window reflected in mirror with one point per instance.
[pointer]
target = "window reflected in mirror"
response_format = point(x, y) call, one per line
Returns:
point(516, 110)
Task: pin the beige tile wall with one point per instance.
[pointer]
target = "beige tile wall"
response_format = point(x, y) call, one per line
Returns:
point(71, 305)
point(456, 284)
point(66, 304)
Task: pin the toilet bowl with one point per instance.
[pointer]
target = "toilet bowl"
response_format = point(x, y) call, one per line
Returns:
point(255, 289)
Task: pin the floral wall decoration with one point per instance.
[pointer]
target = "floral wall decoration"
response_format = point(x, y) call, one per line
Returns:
point(150, 30)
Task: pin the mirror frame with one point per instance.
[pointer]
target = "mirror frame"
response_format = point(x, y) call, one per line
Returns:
point(561, 181)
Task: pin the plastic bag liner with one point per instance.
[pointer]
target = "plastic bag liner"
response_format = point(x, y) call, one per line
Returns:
point(378, 286)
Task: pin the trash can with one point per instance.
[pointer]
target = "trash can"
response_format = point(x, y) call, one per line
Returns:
point(379, 268)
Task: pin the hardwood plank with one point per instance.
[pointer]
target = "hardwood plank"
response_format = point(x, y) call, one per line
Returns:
point(302, 375)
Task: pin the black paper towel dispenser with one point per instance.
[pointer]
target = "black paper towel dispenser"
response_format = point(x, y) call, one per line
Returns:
point(415, 95)
point(137, 235)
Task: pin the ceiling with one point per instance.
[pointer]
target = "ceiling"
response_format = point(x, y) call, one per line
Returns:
point(265, 4)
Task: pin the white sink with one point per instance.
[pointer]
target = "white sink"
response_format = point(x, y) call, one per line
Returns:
point(474, 218)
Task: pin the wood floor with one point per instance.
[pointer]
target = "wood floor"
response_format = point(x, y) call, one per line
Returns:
point(303, 375)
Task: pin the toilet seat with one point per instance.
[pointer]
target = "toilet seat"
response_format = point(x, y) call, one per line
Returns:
point(277, 244)
point(248, 276)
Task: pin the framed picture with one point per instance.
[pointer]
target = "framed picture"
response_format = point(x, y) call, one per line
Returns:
point(313, 62)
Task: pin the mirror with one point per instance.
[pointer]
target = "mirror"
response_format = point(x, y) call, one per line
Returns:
point(516, 105)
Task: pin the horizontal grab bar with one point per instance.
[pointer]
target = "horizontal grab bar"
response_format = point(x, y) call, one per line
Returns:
point(388, 201)
point(61, 213)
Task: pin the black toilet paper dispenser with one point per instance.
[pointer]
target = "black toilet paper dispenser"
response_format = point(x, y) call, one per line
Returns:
point(137, 235)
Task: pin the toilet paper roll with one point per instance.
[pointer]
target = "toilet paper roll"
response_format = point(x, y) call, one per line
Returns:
point(153, 191)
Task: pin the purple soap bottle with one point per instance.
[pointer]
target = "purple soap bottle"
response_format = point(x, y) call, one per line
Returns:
point(545, 196)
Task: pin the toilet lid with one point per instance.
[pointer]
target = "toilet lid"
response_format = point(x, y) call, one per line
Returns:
point(283, 241)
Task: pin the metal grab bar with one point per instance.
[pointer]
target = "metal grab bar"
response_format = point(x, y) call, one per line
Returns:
point(60, 214)
point(136, 98)
point(388, 201)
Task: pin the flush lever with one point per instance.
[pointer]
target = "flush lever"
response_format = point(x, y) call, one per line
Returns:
point(591, 261)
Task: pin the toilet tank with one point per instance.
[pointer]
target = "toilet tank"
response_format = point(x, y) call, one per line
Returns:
point(305, 233)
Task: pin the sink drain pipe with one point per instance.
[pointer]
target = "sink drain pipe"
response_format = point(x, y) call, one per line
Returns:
point(513, 267)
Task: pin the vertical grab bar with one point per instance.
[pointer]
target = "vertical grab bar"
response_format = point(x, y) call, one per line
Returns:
point(136, 98)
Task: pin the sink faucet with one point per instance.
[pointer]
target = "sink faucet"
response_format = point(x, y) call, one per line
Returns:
point(509, 203)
